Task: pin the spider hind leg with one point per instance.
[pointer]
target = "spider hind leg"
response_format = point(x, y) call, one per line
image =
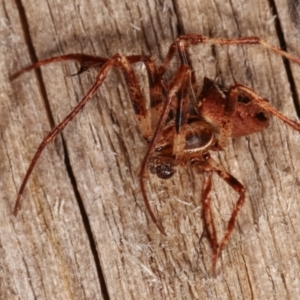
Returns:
point(208, 166)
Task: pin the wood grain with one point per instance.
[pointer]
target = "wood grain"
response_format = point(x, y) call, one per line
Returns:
point(83, 231)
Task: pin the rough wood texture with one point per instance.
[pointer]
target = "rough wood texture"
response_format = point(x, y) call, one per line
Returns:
point(83, 231)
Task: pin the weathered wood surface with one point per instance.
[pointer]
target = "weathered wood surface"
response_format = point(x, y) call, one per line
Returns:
point(107, 247)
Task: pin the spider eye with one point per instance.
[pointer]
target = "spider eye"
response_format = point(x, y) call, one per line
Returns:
point(164, 171)
point(261, 116)
point(243, 99)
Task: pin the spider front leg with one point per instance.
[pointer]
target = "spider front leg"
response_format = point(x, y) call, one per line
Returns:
point(85, 61)
point(139, 106)
point(207, 166)
point(178, 87)
point(156, 83)
point(183, 42)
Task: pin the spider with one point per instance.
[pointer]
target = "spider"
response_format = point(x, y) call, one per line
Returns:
point(178, 129)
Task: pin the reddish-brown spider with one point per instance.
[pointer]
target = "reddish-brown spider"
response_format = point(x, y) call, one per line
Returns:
point(176, 129)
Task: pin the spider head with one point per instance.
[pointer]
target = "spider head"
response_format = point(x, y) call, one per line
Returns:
point(163, 170)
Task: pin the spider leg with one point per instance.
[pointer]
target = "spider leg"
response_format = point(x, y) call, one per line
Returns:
point(181, 121)
point(183, 42)
point(182, 104)
point(208, 219)
point(178, 84)
point(136, 99)
point(185, 60)
point(86, 62)
point(208, 165)
point(240, 189)
point(157, 85)
point(158, 90)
